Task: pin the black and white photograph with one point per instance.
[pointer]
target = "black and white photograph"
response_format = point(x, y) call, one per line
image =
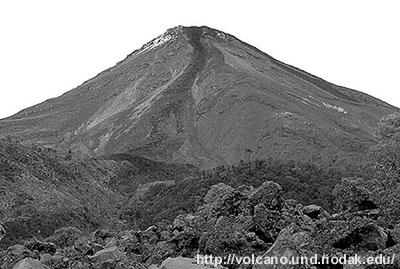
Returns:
point(199, 134)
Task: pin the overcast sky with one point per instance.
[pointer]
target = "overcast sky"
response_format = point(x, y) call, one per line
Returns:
point(50, 47)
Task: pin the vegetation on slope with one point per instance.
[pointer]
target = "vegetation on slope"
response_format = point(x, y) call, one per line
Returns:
point(304, 182)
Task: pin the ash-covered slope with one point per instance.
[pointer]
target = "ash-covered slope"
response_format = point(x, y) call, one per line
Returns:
point(200, 96)
point(43, 189)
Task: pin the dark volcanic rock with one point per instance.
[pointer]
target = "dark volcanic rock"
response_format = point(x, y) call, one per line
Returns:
point(41, 247)
point(376, 198)
point(15, 254)
point(269, 194)
point(29, 263)
point(352, 195)
point(367, 237)
point(65, 237)
point(267, 222)
point(313, 211)
point(223, 200)
point(289, 244)
point(227, 223)
point(112, 254)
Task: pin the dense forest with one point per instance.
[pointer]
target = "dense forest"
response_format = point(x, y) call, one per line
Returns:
point(305, 182)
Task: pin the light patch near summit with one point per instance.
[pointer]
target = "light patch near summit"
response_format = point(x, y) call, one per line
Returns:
point(156, 42)
point(330, 106)
point(221, 35)
point(337, 108)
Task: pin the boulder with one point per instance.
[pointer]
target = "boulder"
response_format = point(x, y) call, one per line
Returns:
point(113, 258)
point(313, 211)
point(269, 194)
point(65, 237)
point(186, 238)
point(180, 222)
point(353, 194)
point(223, 200)
point(59, 260)
point(18, 252)
point(230, 235)
point(84, 246)
point(101, 235)
point(108, 254)
point(165, 235)
point(267, 223)
point(288, 244)
point(149, 236)
point(368, 237)
point(29, 263)
point(218, 195)
point(161, 251)
point(46, 258)
point(41, 247)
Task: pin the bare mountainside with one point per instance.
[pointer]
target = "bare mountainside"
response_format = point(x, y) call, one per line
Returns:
point(199, 96)
point(42, 189)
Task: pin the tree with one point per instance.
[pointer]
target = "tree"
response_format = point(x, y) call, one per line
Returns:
point(389, 127)
point(386, 153)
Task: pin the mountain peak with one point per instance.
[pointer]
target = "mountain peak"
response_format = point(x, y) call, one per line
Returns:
point(190, 32)
point(198, 95)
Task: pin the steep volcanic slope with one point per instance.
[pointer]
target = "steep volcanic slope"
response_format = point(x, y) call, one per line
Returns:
point(42, 189)
point(197, 95)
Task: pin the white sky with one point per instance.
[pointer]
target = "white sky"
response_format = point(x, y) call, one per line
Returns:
point(50, 47)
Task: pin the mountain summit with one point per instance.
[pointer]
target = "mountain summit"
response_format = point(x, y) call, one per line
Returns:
point(201, 96)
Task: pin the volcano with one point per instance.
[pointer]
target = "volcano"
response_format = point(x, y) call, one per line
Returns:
point(199, 96)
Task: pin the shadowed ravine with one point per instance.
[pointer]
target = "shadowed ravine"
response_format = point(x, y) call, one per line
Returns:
point(178, 101)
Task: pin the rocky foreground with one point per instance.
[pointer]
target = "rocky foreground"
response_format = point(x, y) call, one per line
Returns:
point(241, 221)
point(172, 137)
